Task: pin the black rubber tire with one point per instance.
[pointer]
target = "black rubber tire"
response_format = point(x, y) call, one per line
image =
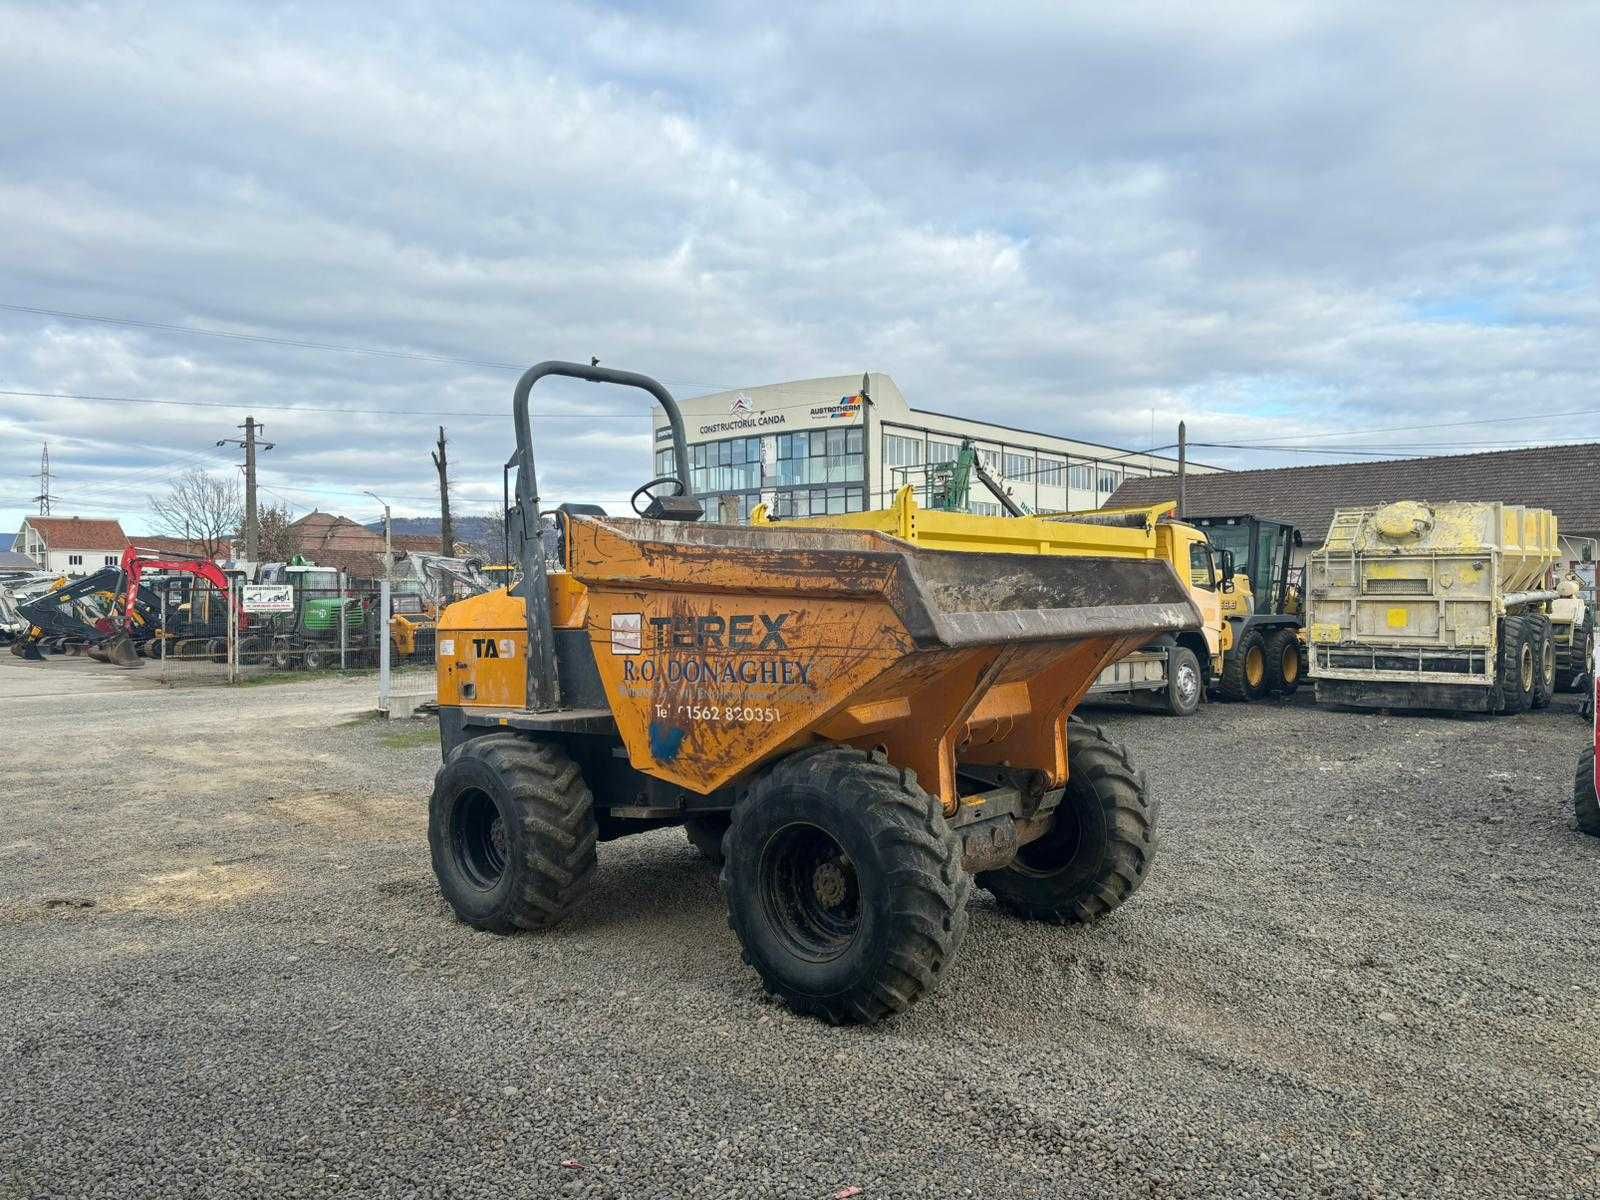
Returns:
point(1513, 675)
point(1544, 659)
point(705, 834)
point(314, 658)
point(1283, 661)
point(1236, 682)
point(1585, 804)
point(1099, 850)
point(535, 868)
point(878, 845)
point(1186, 684)
point(1577, 658)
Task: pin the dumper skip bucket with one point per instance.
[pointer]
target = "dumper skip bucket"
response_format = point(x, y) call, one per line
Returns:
point(721, 647)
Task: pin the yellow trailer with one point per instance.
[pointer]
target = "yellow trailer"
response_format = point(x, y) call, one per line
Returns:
point(1445, 606)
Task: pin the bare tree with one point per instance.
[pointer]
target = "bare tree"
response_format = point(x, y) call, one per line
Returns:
point(203, 508)
point(276, 541)
point(490, 542)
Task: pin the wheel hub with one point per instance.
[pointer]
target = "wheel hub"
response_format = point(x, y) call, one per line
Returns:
point(828, 882)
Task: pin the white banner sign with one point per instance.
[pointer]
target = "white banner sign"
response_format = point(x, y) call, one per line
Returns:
point(267, 597)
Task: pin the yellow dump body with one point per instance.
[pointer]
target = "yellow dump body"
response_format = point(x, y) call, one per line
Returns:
point(1144, 533)
point(1412, 592)
point(708, 650)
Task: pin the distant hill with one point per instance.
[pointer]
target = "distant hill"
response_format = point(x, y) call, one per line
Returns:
point(467, 529)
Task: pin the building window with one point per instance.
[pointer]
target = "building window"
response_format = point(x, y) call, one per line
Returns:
point(1017, 466)
point(111, 560)
point(74, 560)
point(1049, 472)
point(819, 456)
point(1080, 476)
point(901, 451)
point(982, 508)
point(942, 452)
point(1109, 481)
point(990, 459)
point(818, 502)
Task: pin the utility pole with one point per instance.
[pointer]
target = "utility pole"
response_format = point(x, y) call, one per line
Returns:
point(44, 481)
point(1183, 463)
point(447, 535)
point(252, 527)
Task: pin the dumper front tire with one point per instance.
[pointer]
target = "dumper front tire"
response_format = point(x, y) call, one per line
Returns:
point(1585, 804)
point(844, 885)
point(512, 831)
point(1099, 849)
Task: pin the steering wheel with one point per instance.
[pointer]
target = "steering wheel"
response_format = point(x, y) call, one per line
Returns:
point(644, 489)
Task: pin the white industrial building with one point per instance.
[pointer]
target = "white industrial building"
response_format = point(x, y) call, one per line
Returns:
point(829, 446)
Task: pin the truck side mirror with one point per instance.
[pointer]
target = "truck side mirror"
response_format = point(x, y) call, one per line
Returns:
point(1226, 558)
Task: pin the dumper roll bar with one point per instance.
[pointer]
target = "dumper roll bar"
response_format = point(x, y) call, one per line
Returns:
point(544, 691)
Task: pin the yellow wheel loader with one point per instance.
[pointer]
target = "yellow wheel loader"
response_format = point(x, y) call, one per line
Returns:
point(859, 727)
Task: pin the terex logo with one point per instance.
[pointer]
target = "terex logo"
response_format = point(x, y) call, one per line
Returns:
point(737, 632)
point(493, 648)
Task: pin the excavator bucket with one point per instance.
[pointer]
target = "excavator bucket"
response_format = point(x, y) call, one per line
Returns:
point(27, 649)
point(117, 651)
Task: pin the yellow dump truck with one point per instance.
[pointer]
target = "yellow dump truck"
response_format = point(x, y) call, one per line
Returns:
point(1440, 606)
point(861, 727)
point(1175, 667)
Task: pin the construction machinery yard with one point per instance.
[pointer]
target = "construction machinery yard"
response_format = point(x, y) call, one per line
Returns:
point(1366, 958)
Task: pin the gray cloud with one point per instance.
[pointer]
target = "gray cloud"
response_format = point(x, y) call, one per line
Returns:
point(1271, 220)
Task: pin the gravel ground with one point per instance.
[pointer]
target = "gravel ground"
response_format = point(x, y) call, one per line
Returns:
point(1365, 964)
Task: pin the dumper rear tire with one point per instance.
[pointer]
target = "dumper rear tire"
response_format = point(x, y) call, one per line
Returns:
point(512, 832)
point(844, 885)
point(1585, 804)
point(1099, 849)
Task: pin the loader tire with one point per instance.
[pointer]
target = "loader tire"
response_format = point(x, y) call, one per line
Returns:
point(1185, 683)
point(1098, 850)
point(1576, 664)
point(1515, 671)
point(1283, 661)
point(705, 834)
point(1544, 660)
point(844, 885)
point(1244, 668)
point(1585, 804)
point(314, 658)
point(512, 832)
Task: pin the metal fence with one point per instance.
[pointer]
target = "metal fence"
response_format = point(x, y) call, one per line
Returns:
point(192, 629)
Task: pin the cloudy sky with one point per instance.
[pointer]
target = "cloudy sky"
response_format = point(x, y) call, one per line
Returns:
point(1286, 223)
